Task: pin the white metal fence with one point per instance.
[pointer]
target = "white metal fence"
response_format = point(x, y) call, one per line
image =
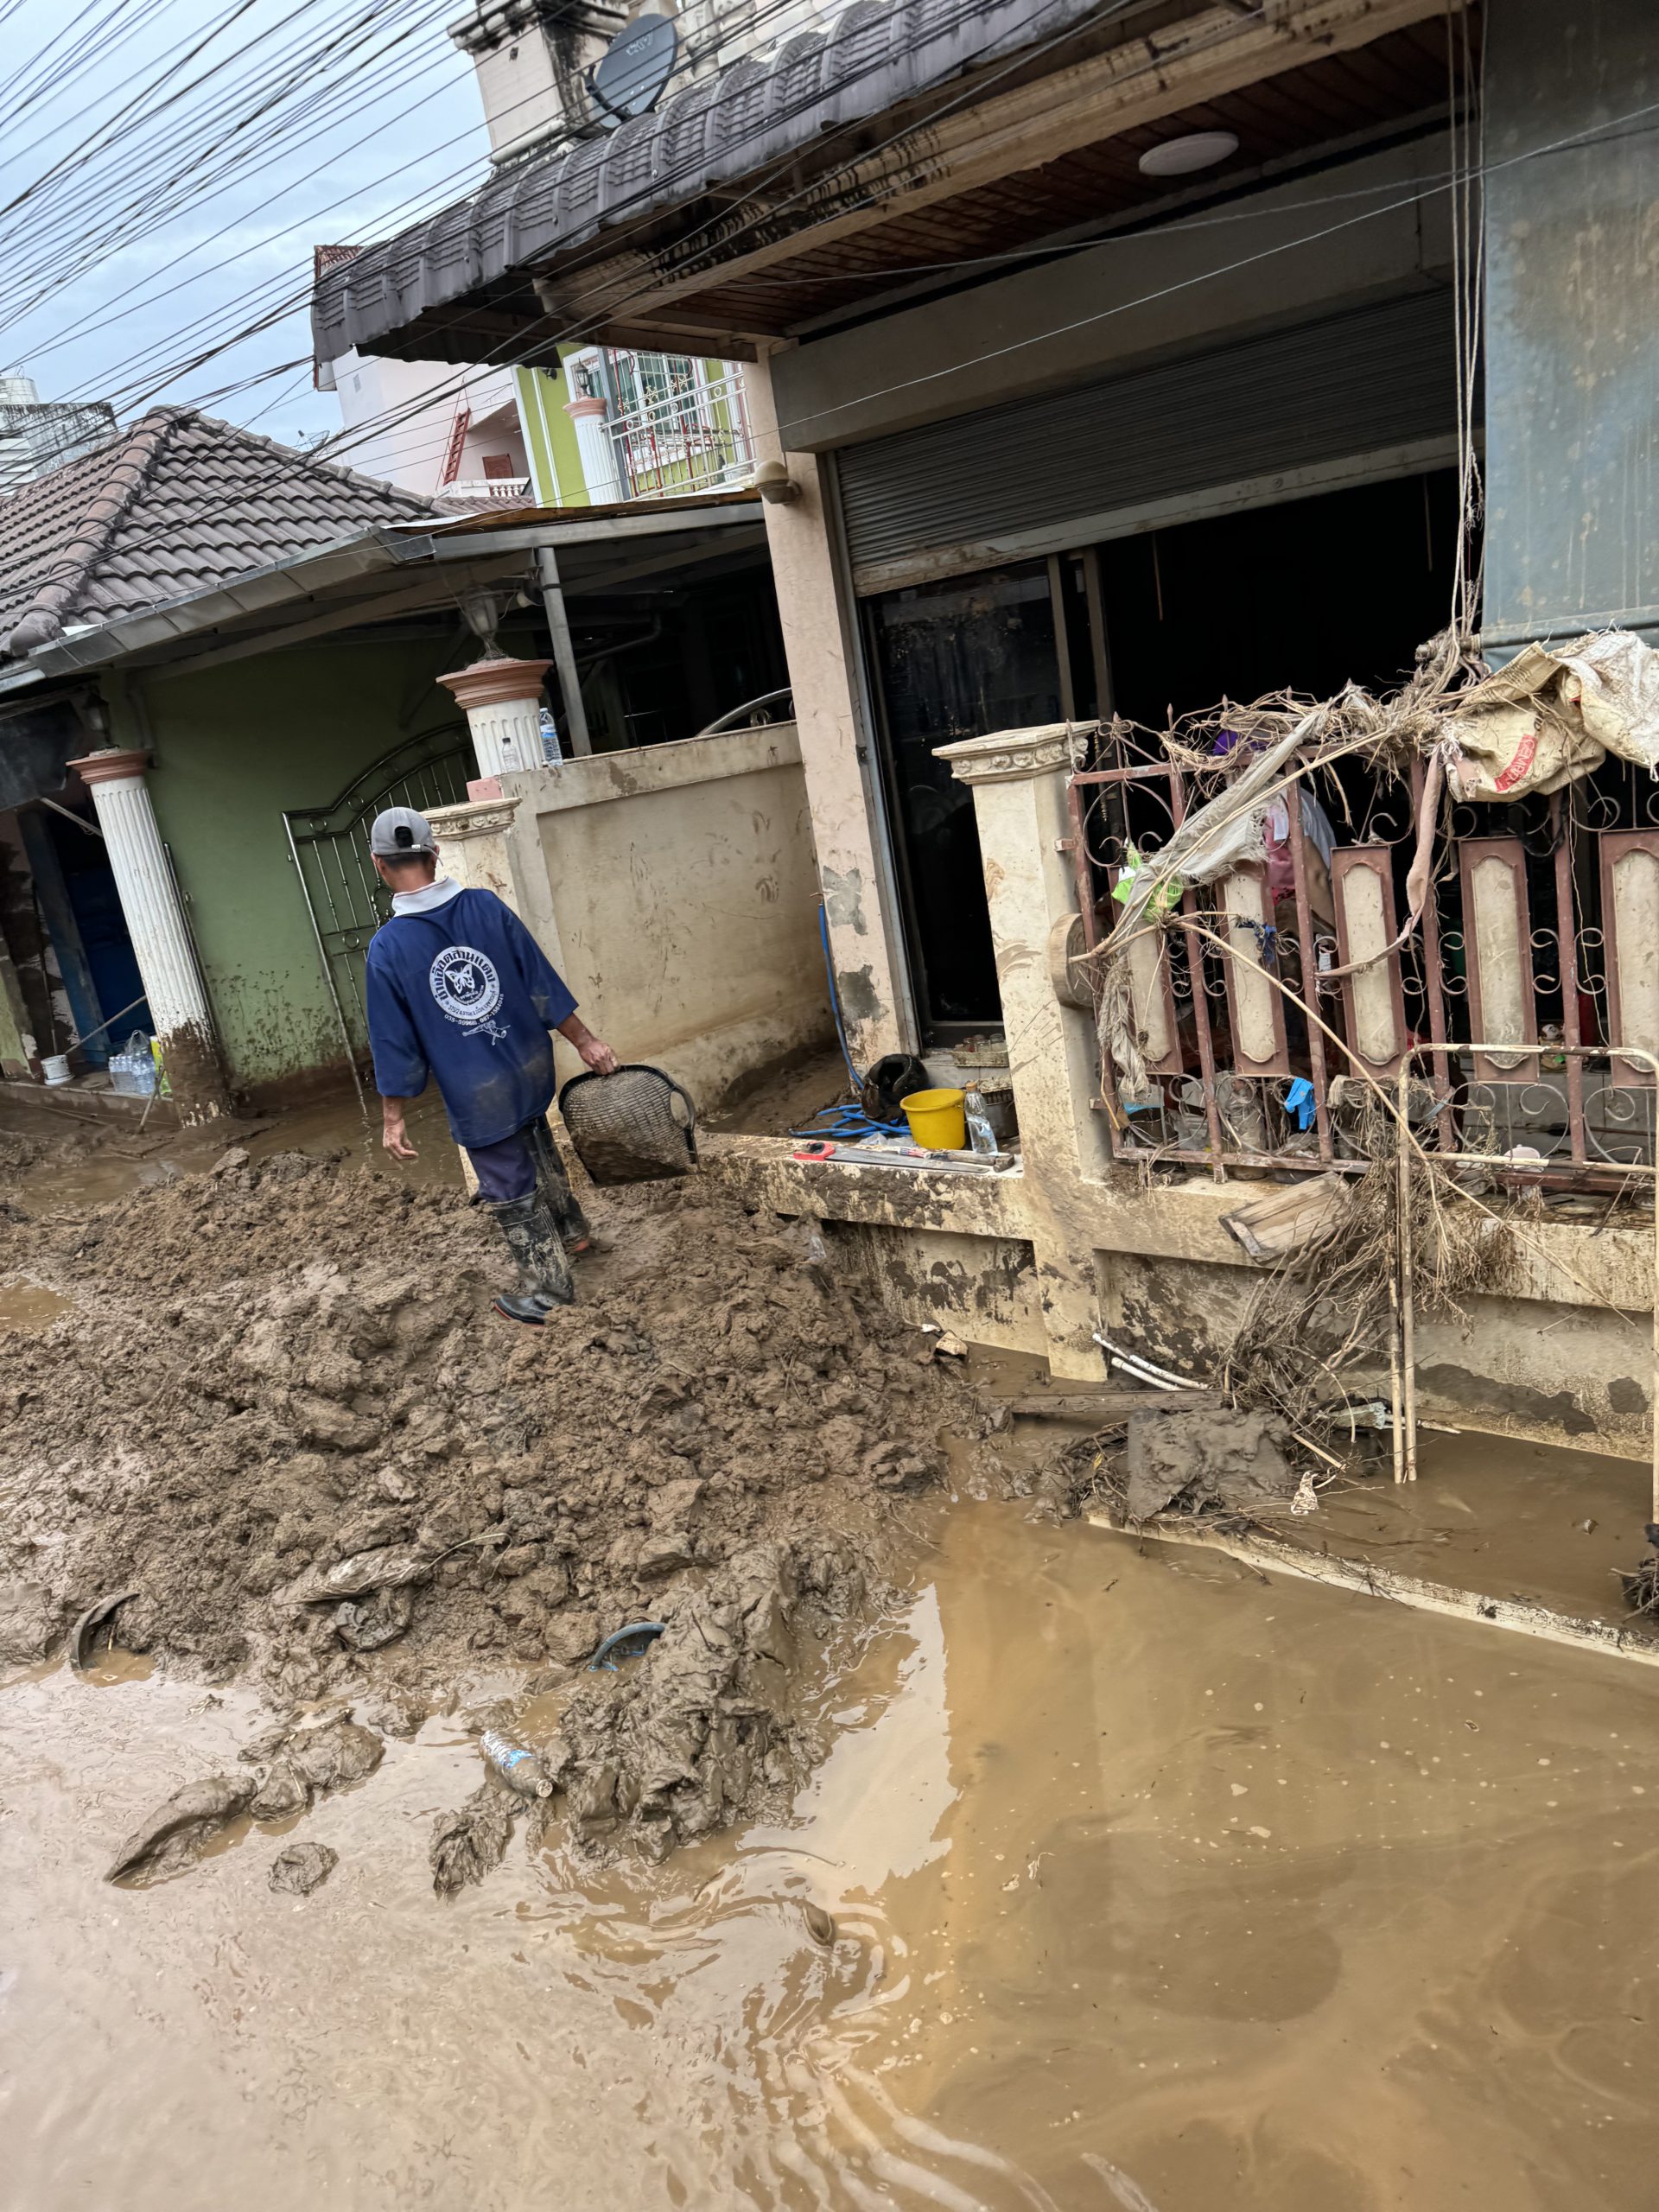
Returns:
point(681, 427)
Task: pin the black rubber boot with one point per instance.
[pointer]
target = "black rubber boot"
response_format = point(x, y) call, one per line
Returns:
point(554, 1186)
point(544, 1272)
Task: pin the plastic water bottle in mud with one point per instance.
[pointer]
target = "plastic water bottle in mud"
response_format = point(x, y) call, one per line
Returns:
point(981, 1135)
point(521, 1769)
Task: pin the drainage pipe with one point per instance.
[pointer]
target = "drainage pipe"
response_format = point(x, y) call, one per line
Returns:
point(1136, 1365)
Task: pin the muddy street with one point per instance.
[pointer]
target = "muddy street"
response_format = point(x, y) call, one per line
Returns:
point(934, 1853)
point(1149, 1885)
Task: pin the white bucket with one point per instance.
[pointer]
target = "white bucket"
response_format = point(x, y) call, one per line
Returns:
point(54, 1066)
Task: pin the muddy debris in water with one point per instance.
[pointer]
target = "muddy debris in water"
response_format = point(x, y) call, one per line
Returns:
point(288, 1419)
point(301, 1867)
point(705, 1722)
point(293, 1766)
point(29, 1619)
point(1205, 1457)
point(1207, 1461)
point(98, 1616)
point(469, 1843)
point(298, 1765)
point(175, 1833)
point(820, 1925)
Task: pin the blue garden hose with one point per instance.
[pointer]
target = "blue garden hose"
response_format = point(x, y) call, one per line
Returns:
point(625, 1643)
point(846, 1123)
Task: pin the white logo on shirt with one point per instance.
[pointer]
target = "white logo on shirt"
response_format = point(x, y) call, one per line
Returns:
point(465, 984)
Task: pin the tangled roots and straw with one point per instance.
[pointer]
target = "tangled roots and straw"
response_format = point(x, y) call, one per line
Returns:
point(1319, 1323)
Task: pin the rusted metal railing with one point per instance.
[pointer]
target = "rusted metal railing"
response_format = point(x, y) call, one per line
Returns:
point(1240, 1077)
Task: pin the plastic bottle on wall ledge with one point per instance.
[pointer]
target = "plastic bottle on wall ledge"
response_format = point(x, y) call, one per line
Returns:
point(980, 1135)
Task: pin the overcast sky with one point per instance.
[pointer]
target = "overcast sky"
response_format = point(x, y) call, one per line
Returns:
point(150, 238)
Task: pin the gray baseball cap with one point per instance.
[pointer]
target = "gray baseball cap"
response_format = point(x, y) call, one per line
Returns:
point(400, 833)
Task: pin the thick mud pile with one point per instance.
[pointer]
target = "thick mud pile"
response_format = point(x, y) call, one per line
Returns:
point(282, 1414)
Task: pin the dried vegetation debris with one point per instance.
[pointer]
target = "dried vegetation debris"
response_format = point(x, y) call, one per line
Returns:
point(284, 1414)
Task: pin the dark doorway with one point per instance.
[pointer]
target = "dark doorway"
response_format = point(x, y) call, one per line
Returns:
point(71, 895)
point(1307, 595)
point(106, 942)
point(954, 660)
point(1312, 595)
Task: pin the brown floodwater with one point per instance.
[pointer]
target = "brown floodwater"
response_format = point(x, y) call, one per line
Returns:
point(26, 1307)
point(1155, 1883)
point(85, 1163)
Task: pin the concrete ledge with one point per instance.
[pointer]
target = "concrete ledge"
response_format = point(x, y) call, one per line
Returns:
point(73, 1101)
point(688, 760)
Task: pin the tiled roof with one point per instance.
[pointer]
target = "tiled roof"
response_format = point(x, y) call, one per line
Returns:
point(750, 116)
point(178, 504)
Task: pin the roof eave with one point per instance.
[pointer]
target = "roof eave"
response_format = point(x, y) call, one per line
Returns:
point(282, 583)
point(387, 548)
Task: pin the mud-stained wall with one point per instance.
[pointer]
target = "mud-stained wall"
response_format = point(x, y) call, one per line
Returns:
point(680, 901)
point(233, 747)
point(866, 943)
point(1528, 1368)
point(985, 1289)
point(1566, 1359)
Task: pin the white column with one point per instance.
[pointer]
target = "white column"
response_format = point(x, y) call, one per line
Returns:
point(161, 941)
point(503, 700)
point(598, 454)
point(1019, 781)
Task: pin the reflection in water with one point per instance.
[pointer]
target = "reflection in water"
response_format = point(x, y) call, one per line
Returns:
point(1152, 1885)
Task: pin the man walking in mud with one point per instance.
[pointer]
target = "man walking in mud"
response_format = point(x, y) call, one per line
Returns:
point(459, 990)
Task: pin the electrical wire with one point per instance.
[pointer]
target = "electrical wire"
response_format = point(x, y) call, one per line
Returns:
point(101, 228)
point(1558, 144)
point(772, 7)
point(377, 428)
point(616, 234)
point(97, 228)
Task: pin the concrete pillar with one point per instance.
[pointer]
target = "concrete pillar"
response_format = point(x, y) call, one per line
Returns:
point(599, 470)
point(576, 736)
point(161, 939)
point(473, 846)
point(866, 943)
point(503, 702)
point(1571, 368)
point(1018, 782)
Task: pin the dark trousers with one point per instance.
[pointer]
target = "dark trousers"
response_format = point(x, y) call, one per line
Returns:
point(515, 1166)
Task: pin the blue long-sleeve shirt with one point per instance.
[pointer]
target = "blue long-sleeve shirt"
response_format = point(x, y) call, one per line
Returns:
point(464, 994)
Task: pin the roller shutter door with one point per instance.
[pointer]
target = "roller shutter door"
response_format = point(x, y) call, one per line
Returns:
point(1372, 378)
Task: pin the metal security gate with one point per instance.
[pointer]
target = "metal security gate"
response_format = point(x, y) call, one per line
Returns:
point(344, 898)
point(1069, 468)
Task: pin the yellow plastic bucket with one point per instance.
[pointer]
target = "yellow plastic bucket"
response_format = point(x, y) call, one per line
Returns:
point(937, 1121)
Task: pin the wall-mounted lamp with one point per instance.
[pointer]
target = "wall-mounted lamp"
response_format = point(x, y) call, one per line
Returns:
point(775, 483)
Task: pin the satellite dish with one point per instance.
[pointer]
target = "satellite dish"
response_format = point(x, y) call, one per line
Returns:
point(628, 80)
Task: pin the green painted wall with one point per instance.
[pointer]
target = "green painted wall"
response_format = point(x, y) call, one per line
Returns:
point(555, 469)
point(235, 746)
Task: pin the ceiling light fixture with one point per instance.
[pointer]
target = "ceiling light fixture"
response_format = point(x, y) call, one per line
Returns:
point(1198, 149)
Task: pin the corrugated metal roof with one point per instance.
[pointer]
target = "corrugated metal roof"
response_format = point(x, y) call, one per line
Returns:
point(879, 53)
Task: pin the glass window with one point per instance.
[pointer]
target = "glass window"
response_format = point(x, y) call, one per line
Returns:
point(959, 658)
